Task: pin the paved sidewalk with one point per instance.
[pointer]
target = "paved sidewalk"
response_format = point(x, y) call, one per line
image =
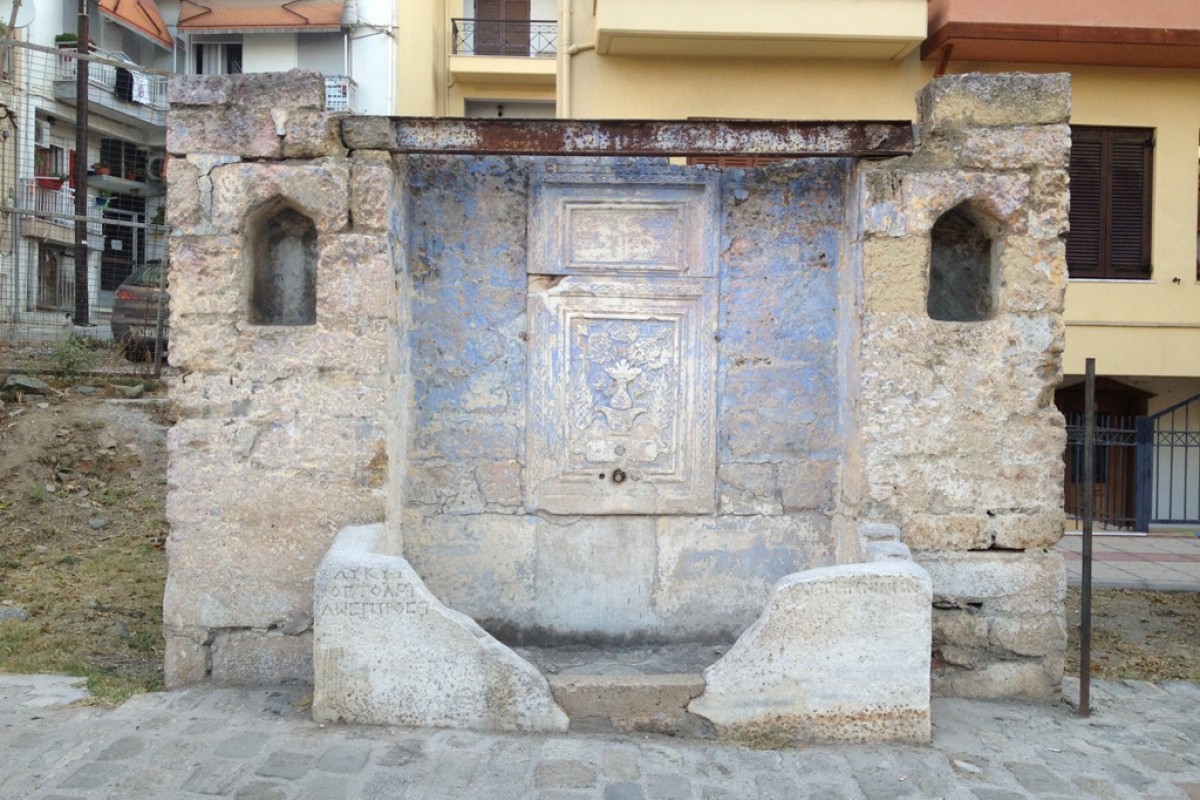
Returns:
point(1160, 562)
point(260, 744)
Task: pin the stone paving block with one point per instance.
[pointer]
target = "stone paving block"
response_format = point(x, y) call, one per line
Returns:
point(246, 744)
point(261, 790)
point(91, 775)
point(621, 764)
point(624, 790)
point(456, 769)
point(284, 764)
point(402, 753)
point(668, 787)
point(564, 775)
point(1191, 789)
point(345, 758)
point(215, 777)
point(325, 787)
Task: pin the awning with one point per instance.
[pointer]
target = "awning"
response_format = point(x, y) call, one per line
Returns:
point(140, 16)
point(260, 16)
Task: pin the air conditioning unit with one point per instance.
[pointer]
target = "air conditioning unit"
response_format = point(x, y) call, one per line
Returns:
point(41, 133)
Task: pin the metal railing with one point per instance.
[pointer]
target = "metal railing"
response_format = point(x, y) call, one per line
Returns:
point(105, 73)
point(496, 37)
point(1115, 486)
point(339, 93)
point(49, 198)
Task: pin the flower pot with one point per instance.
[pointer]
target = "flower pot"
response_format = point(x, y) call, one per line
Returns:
point(50, 183)
point(103, 170)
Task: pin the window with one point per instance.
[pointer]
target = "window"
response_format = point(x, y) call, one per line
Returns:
point(1111, 171)
point(218, 58)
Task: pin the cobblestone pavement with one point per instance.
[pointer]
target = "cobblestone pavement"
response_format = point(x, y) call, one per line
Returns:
point(259, 744)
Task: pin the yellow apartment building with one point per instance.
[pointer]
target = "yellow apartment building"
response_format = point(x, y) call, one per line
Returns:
point(1133, 301)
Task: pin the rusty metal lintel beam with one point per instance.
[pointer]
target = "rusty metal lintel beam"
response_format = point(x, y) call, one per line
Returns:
point(559, 137)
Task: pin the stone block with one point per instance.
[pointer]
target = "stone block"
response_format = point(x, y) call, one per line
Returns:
point(1027, 147)
point(627, 703)
point(947, 532)
point(896, 275)
point(1001, 197)
point(236, 395)
point(1033, 275)
point(294, 89)
point(372, 192)
point(500, 483)
point(748, 489)
point(386, 651)
point(207, 276)
point(977, 99)
point(250, 658)
point(185, 661)
point(1039, 680)
point(595, 579)
point(355, 278)
point(227, 130)
point(1033, 530)
point(185, 212)
point(714, 574)
point(311, 134)
point(807, 485)
point(840, 654)
point(481, 564)
point(317, 189)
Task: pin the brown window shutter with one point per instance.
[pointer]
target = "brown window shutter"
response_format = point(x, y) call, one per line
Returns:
point(1111, 171)
point(1085, 238)
point(1129, 212)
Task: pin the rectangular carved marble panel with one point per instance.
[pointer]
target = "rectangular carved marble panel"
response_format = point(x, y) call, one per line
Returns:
point(622, 364)
point(601, 221)
point(621, 410)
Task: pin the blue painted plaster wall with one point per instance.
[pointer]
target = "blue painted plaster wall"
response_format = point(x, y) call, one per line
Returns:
point(628, 578)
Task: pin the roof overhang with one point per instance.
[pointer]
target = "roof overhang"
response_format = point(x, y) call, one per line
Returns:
point(261, 16)
point(140, 16)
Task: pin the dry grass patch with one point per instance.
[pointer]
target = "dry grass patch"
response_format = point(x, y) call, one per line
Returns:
point(1147, 636)
point(82, 525)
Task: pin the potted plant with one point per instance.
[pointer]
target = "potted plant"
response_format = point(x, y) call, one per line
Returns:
point(66, 40)
point(100, 168)
point(53, 182)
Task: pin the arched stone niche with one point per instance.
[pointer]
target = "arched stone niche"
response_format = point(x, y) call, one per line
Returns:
point(282, 251)
point(962, 271)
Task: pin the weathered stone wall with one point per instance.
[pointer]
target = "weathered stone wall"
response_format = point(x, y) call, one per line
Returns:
point(281, 429)
point(534, 577)
point(961, 442)
point(838, 398)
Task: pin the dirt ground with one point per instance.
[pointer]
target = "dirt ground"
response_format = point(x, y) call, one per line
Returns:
point(82, 528)
point(82, 567)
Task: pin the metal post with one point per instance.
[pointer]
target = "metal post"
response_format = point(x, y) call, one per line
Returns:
point(82, 292)
point(1089, 476)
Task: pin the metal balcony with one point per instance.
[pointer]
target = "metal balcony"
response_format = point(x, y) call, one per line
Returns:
point(494, 37)
point(117, 88)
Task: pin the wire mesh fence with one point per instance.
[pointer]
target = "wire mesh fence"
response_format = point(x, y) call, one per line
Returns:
point(75, 283)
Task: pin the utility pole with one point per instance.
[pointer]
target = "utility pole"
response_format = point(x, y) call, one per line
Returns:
point(81, 167)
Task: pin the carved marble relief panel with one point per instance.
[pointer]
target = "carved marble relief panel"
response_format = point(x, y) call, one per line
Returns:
point(622, 309)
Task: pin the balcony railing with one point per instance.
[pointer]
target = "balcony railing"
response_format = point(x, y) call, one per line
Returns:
point(123, 88)
point(339, 93)
point(50, 199)
point(495, 37)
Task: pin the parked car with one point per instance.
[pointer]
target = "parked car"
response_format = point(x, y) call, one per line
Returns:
point(140, 305)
